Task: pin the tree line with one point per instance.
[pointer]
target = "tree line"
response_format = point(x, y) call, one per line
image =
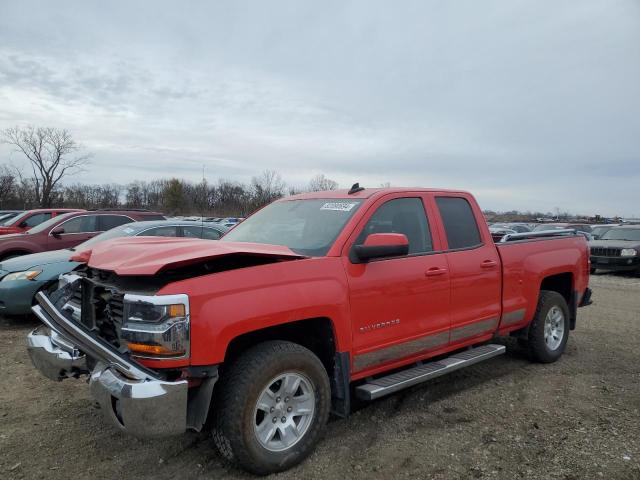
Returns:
point(172, 196)
point(52, 156)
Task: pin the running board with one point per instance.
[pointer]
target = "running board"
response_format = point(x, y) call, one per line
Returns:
point(379, 387)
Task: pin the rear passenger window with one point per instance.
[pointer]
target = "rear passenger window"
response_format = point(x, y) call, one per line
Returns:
point(111, 221)
point(161, 232)
point(403, 215)
point(459, 222)
point(200, 232)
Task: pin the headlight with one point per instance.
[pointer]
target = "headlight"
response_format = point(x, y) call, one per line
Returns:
point(156, 326)
point(26, 275)
point(628, 252)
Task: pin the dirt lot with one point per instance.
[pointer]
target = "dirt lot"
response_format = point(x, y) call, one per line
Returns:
point(507, 418)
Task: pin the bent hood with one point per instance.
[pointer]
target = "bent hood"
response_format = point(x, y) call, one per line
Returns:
point(150, 255)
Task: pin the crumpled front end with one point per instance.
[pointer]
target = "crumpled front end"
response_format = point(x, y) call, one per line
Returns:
point(134, 398)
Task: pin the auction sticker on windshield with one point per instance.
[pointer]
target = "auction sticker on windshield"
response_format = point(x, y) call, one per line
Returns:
point(338, 206)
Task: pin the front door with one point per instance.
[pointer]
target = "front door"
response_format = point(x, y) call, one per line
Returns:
point(76, 230)
point(399, 306)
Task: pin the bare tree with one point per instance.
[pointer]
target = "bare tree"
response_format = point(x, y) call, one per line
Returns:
point(320, 183)
point(52, 154)
point(266, 188)
point(7, 184)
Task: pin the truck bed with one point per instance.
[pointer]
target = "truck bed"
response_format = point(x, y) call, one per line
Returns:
point(527, 261)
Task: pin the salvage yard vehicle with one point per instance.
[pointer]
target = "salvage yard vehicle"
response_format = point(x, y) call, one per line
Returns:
point(598, 230)
point(68, 230)
point(24, 221)
point(22, 277)
point(618, 249)
point(311, 301)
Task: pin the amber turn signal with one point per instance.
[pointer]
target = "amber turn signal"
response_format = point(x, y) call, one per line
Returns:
point(176, 310)
point(145, 349)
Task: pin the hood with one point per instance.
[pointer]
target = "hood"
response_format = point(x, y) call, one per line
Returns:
point(615, 243)
point(150, 255)
point(26, 262)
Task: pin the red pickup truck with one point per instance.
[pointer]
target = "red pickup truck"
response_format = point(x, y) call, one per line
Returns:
point(311, 301)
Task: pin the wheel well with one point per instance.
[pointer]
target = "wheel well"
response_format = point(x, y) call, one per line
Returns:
point(561, 283)
point(316, 334)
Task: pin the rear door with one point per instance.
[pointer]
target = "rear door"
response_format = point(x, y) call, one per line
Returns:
point(399, 305)
point(474, 266)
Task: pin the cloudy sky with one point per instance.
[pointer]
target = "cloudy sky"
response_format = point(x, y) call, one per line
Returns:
point(528, 104)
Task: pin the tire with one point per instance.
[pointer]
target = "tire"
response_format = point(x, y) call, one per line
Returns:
point(237, 421)
point(592, 271)
point(552, 312)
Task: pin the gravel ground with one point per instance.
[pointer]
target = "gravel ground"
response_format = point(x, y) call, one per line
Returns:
point(506, 418)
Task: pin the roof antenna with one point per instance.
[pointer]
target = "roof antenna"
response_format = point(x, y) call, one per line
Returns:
point(355, 188)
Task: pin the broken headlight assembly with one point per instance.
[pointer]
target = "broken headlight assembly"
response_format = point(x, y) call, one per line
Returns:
point(156, 326)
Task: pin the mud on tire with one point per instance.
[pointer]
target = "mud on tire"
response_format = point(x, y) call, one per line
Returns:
point(237, 417)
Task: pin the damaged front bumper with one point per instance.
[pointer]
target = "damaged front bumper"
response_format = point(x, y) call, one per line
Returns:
point(134, 398)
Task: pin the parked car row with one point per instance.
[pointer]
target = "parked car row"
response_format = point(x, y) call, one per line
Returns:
point(23, 275)
point(613, 247)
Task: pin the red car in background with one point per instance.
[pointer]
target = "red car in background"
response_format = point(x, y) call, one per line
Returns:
point(69, 229)
point(30, 218)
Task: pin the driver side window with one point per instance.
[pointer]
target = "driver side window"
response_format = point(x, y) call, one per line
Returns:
point(402, 215)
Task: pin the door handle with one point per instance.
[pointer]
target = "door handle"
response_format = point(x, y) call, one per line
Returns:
point(432, 272)
point(489, 264)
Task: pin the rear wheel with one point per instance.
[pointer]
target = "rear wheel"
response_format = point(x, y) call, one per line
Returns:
point(549, 330)
point(271, 407)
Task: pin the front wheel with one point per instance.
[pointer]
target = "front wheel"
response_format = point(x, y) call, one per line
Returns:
point(271, 407)
point(549, 330)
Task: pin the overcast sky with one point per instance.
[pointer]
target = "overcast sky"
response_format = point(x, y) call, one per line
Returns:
point(528, 104)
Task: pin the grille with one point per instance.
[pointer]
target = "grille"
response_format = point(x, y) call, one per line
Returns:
point(102, 310)
point(605, 251)
point(76, 298)
point(115, 307)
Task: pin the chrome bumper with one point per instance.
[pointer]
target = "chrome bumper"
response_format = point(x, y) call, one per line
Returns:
point(53, 356)
point(133, 398)
point(147, 408)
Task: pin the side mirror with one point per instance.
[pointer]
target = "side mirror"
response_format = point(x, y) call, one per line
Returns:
point(23, 224)
point(56, 232)
point(381, 245)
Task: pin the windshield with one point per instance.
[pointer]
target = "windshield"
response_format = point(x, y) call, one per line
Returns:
point(308, 227)
point(49, 223)
point(599, 230)
point(12, 219)
point(622, 234)
point(6, 216)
